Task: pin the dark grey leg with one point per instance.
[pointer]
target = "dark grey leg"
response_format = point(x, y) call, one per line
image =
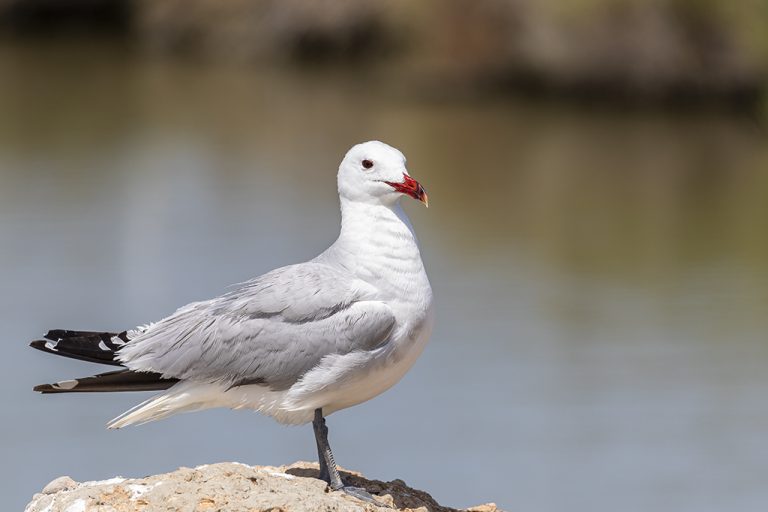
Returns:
point(328, 470)
point(324, 454)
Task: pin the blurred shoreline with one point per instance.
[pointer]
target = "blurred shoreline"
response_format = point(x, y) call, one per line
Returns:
point(671, 53)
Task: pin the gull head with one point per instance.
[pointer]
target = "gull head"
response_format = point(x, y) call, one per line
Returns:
point(375, 173)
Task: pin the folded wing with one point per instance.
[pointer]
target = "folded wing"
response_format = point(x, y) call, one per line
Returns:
point(270, 330)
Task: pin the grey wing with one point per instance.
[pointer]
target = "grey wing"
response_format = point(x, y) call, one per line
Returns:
point(269, 331)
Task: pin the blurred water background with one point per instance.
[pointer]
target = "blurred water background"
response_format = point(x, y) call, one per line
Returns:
point(600, 267)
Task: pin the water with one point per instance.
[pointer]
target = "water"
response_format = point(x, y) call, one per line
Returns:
point(601, 277)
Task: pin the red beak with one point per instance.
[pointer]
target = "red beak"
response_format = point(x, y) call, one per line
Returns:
point(412, 188)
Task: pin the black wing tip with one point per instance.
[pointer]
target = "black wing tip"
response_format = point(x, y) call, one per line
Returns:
point(53, 334)
point(119, 380)
point(92, 347)
point(40, 345)
point(44, 388)
point(65, 386)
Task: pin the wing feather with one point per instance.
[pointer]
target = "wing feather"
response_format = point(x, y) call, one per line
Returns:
point(270, 330)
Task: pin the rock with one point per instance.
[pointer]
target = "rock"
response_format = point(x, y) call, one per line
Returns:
point(62, 483)
point(232, 486)
point(485, 507)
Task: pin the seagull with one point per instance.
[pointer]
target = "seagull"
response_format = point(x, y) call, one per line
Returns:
point(297, 343)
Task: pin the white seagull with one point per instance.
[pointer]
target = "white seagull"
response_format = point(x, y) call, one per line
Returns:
point(297, 343)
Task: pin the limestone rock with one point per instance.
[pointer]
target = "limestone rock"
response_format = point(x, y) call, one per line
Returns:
point(231, 487)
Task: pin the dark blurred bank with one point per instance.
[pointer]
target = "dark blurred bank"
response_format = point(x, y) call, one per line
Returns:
point(599, 255)
point(678, 51)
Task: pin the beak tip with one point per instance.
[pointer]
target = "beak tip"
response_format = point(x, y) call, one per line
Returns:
point(410, 187)
point(422, 196)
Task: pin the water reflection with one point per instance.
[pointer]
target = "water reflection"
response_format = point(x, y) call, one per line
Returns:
point(601, 276)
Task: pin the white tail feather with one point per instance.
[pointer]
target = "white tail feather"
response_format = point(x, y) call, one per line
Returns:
point(182, 397)
point(188, 396)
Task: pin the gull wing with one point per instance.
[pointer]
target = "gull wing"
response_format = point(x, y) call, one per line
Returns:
point(270, 330)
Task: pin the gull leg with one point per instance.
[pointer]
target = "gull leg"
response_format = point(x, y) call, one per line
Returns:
point(328, 470)
point(323, 448)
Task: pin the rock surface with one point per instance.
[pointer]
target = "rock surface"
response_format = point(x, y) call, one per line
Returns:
point(231, 487)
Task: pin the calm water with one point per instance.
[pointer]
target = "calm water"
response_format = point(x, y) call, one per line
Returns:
point(601, 278)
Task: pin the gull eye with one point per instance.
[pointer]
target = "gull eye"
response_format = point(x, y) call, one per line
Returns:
point(367, 163)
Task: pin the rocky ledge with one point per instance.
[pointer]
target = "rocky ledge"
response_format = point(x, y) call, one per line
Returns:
point(231, 486)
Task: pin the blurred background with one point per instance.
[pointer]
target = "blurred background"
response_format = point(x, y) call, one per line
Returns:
point(597, 237)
